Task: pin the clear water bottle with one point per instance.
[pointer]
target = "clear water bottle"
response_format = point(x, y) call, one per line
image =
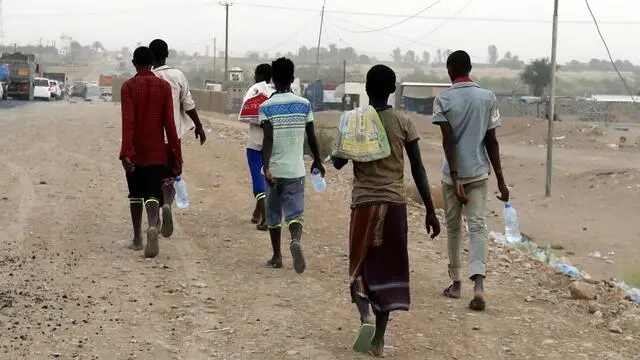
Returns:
point(511, 229)
point(182, 195)
point(567, 269)
point(317, 181)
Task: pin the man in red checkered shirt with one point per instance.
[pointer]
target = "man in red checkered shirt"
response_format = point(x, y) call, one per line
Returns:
point(147, 113)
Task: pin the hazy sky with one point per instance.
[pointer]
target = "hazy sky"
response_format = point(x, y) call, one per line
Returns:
point(521, 26)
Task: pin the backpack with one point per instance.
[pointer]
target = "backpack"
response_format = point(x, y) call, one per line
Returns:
point(361, 136)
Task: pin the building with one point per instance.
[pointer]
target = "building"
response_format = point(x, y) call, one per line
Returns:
point(418, 97)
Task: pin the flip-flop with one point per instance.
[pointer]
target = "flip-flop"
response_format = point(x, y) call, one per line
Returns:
point(167, 222)
point(478, 303)
point(298, 258)
point(362, 343)
point(274, 265)
point(448, 293)
point(153, 248)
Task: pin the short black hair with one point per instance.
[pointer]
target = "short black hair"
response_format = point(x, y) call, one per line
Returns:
point(459, 63)
point(265, 71)
point(283, 70)
point(142, 57)
point(159, 48)
point(381, 81)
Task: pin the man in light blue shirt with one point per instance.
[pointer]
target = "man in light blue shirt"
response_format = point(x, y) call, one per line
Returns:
point(285, 119)
point(468, 117)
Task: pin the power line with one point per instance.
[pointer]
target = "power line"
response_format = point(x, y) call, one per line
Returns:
point(439, 25)
point(450, 18)
point(396, 36)
point(401, 21)
point(133, 10)
point(293, 35)
point(604, 42)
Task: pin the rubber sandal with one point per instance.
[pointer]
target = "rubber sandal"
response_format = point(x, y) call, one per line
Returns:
point(478, 303)
point(362, 343)
point(274, 264)
point(167, 222)
point(299, 264)
point(449, 294)
point(152, 249)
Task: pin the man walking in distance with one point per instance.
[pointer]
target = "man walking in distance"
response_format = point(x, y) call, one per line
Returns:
point(147, 114)
point(186, 119)
point(378, 255)
point(468, 117)
point(285, 119)
point(255, 96)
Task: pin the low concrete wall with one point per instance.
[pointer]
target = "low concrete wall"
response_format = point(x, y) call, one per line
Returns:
point(206, 100)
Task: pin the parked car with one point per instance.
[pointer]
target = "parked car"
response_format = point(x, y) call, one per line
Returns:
point(42, 89)
point(92, 93)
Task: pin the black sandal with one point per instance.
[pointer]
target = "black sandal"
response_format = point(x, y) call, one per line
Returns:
point(448, 293)
point(478, 303)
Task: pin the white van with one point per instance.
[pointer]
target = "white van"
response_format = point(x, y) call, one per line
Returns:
point(41, 89)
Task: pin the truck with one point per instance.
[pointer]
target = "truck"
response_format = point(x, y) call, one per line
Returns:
point(22, 71)
point(4, 80)
point(106, 85)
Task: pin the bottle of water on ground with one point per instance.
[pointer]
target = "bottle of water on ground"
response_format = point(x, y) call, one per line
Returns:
point(182, 195)
point(317, 181)
point(511, 228)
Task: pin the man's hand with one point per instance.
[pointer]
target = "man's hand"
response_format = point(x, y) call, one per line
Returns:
point(459, 191)
point(432, 224)
point(504, 191)
point(127, 165)
point(201, 134)
point(317, 164)
point(269, 177)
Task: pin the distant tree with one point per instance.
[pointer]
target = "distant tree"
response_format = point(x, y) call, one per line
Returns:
point(410, 57)
point(426, 58)
point(333, 50)
point(439, 57)
point(446, 54)
point(173, 53)
point(396, 55)
point(265, 55)
point(493, 54)
point(75, 46)
point(97, 46)
point(537, 75)
point(364, 59)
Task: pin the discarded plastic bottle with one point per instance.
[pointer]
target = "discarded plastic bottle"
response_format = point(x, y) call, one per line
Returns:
point(511, 228)
point(572, 271)
point(182, 195)
point(317, 181)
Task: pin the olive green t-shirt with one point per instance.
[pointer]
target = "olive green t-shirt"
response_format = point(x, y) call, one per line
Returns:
point(382, 181)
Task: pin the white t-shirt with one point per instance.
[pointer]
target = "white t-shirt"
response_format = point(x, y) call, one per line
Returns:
point(182, 101)
point(255, 137)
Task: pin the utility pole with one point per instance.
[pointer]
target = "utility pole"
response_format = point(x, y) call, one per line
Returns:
point(1, 26)
point(344, 84)
point(552, 98)
point(318, 47)
point(226, 5)
point(215, 56)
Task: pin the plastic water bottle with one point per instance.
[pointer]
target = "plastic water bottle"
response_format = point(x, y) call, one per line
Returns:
point(317, 181)
point(182, 195)
point(511, 229)
point(572, 271)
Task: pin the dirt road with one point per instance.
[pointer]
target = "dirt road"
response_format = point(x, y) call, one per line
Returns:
point(70, 289)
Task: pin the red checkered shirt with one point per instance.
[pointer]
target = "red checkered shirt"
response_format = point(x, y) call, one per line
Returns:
point(147, 112)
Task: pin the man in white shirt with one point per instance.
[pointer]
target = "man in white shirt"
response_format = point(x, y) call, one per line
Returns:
point(186, 118)
point(257, 94)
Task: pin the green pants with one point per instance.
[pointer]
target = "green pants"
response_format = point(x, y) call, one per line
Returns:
point(475, 211)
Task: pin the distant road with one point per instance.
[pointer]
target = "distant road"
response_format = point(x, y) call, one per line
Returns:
point(9, 104)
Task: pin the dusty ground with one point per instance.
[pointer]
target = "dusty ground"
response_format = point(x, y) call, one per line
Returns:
point(70, 289)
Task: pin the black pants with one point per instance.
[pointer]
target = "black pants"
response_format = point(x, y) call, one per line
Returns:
point(145, 182)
